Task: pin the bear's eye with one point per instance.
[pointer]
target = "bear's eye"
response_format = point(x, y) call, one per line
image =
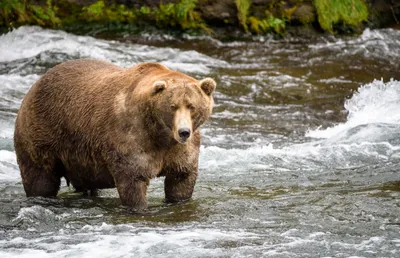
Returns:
point(191, 107)
point(174, 107)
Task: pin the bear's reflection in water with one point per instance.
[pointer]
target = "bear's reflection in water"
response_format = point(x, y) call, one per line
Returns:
point(108, 207)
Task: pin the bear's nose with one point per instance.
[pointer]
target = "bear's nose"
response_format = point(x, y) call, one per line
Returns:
point(184, 133)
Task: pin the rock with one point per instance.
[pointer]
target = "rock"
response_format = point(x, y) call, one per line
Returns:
point(223, 11)
point(304, 13)
point(384, 13)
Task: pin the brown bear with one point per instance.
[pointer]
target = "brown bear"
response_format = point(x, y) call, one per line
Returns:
point(103, 126)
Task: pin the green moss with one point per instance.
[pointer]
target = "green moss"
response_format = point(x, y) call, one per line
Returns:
point(99, 13)
point(265, 24)
point(13, 11)
point(268, 24)
point(94, 12)
point(185, 11)
point(243, 7)
point(181, 14)
point(20, 12)
point(348, 12)
point(145, 10)
point(165, 14)
point(45, 15)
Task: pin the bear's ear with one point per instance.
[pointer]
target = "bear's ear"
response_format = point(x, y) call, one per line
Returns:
point(208, 86)
point(159, 86)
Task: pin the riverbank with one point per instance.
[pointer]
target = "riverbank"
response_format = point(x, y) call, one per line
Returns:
point(202, 16)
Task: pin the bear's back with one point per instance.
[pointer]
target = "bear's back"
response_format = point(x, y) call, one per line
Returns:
point(66, 98)
point(74, 76)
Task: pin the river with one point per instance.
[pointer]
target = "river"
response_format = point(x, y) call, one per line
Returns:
point(300, 158)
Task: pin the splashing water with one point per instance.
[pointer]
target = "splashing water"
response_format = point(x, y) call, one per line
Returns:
point(373, 105)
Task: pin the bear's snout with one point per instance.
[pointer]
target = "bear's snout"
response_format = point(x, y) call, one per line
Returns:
point(184, 133)
point(183, 125)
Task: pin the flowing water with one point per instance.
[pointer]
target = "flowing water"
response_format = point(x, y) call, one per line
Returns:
point(300, 159)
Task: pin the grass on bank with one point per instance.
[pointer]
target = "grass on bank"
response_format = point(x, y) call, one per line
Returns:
point(21, 12)
point(182, 15)
point(333, 12)
point(243, 7)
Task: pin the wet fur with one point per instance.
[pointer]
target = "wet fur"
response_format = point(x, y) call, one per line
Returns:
point(102, 126)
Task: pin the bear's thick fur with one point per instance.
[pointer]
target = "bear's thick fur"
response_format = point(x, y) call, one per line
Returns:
point(103, 126)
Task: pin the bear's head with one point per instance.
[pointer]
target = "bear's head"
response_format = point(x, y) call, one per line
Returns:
point(181, 104)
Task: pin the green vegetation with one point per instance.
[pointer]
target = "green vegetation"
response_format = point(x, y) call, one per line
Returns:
point(253, 24)
point(268, 24)
point(183, 15)
point(348, 12)
point(243, 7)
point(99, 13)
point(21, 12)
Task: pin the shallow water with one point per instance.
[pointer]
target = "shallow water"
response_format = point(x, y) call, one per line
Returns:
point(300, 158)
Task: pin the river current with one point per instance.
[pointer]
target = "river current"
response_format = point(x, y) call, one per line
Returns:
point(300, 158)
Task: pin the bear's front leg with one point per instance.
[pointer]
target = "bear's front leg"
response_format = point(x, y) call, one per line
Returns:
point(132, 190)
point(179, 187)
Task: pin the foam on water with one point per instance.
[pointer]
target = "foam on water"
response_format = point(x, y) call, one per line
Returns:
point(370, 135)
point(375, 104)
point(7, 131)
point(13, 88)
point(8, 167)
point(35, 216)
point(372, 44)
point(123, 241)
point(127, 240)
point(309, 156)
point(32, 42)
point(14, 45)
